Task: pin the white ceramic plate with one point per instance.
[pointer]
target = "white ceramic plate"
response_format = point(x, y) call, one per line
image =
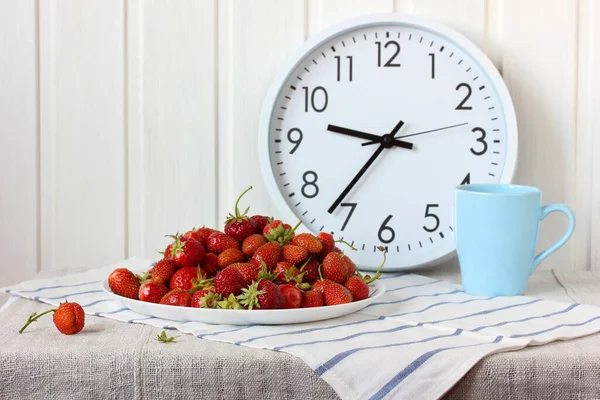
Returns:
point(246, 317)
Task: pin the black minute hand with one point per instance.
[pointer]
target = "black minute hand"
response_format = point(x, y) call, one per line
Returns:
point(363, 170)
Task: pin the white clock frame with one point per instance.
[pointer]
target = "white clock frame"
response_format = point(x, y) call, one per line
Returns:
point(316, 41)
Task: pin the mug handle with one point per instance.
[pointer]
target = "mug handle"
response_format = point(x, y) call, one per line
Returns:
point(546, 210)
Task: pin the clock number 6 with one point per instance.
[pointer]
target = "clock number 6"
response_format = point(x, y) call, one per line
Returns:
point(481, 140)
point(432, 215)
point(312, 175)
point(312, 98)
point(383, 228)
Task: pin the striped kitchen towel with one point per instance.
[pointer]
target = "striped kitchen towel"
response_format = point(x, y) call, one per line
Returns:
point(416, 341)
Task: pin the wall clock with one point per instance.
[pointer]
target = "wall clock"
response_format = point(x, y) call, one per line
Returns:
point(369, 126)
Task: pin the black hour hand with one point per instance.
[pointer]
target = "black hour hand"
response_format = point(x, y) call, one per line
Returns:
point(366, 136)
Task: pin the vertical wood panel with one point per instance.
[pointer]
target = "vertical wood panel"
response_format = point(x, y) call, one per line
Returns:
point(82, 141)
point(588, 137)
point(171, 135)
point(322, 13)
point(539, 67)
point(18, 140)
point(464, 16)
point(254, 39)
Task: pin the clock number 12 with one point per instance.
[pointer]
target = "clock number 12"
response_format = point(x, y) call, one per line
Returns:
point(390, 62)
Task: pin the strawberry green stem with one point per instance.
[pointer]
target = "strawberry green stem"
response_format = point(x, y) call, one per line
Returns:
point(34, 317)
point(237, 211)
point(346, 243)
point(287, 237)
point(377, 274)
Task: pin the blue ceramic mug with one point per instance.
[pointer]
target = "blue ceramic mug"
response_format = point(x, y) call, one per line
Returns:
point(496, 232)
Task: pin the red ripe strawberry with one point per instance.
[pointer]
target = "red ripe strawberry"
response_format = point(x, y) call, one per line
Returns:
point(357, 287)
point(286, 272)
point(177, 297)
point(350, 265)
point(320, 284)
point(327, 241)
point(200, 234)
point(261, 221)
point(152, 291)
point(279, 232)
point(311, 271)
point(251, 243)
point(186, 252)
point(336, 294)
point(312, 298)
point(270, 253)
point(248, 270)
point(187, 277)
point(309, 242)
point(229, 281)
point(163, 271)
point(230, 256)
point(167, 254)
point(263, 294)
point(272, 298)
point(209, 264)
point(334, 268)
point(205, 299)
point(217, 242)
point(294, 254)
point(239, 226)
point(292, 295)
point(69, 318)
point(124, 283)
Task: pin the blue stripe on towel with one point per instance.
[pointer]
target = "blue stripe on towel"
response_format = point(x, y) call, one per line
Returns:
point(131, 321)
point(389, 330)
point(57, 287)
point(429, 307)
point(93, 303)
point(310, 330)
point(333, 361)
point(415, 297)
point(414, 286)
point(554, 328)
point(226, 331)
point(413, 366)
point(484, 312)
point(111, 312)
point(73, 294)
point(572, 306)
point(392, 276)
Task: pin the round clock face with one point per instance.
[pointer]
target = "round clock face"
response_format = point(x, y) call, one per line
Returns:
point(366, 133)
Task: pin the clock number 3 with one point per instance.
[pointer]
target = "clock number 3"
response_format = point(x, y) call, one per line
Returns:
point(481, 140)
point(384, 228)
point(390, 62)
point(429, 214)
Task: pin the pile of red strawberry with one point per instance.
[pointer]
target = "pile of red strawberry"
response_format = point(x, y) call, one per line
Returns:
point(254, 263)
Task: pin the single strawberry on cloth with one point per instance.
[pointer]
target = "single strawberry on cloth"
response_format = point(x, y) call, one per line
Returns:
point(415, 341)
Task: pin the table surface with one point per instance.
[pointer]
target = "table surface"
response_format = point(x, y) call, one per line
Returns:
point(113, 360)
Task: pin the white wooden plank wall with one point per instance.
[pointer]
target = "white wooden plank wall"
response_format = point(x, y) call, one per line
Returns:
point(125, 120)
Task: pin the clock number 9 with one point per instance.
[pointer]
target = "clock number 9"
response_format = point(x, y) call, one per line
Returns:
point(432, 215)
point(481, 140)
point(312, 98)
point(383, 228)
point(312, 175)
point(297, 141)
point(390, 62)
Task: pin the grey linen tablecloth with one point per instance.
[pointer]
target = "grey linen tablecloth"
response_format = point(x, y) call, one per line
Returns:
point(113, 360)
